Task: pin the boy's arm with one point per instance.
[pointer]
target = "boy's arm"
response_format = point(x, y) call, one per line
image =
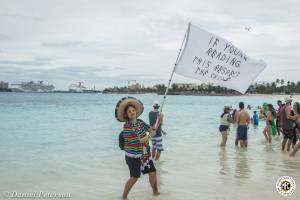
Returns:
point(161, 118)
point(152, 132)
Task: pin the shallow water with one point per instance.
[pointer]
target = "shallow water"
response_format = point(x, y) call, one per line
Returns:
point(68, 143)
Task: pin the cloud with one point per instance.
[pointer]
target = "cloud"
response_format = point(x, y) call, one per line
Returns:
point(22, 62)
point(22, 17)
point(63, 44)
point(86, 72)
point(82, 69)
point(4, 37)
point(109, 41)
point(44, 59)
point(37, 61)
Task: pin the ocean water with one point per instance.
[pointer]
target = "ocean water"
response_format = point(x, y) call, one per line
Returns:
point(68, 144)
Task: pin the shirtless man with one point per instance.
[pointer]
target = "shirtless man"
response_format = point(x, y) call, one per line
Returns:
point(242, 120)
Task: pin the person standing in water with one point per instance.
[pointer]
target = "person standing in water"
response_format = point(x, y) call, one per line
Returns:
point(135, 136)
point(255, 118)
point(287, 120)
point(224, 125)
point(243, 120)
point(296, 110)
point(157, 146)
point(270, 116)
point(234, 116)
point(297, 145)
point(278, 124)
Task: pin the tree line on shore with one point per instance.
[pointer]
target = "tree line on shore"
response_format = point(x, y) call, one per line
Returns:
point(280, 86)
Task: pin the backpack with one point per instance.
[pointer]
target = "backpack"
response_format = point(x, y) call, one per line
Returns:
point(121, 141)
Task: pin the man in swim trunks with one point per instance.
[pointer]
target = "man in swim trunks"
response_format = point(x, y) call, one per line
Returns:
point(242, 120)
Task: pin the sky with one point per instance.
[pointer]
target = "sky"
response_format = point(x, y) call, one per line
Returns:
point(106, 43)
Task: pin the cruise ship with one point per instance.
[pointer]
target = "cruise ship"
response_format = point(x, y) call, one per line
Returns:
point(77, 87)
point(80, 88)
point(31, 86)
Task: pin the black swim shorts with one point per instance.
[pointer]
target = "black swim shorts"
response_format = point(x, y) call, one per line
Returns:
point(134, 165)
point(223, 128)
point(288, 134)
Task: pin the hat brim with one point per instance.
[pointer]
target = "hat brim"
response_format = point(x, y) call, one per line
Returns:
point(123, 103)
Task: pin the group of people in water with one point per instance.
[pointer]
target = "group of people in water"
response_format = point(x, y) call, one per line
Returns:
point(241, 118)
point(284, 121)
point(136, 135)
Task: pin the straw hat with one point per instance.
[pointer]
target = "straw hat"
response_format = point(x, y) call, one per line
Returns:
point(288, 99)
point(123, 103)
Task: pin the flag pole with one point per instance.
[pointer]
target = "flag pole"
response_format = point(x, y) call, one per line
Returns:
point(171, 77)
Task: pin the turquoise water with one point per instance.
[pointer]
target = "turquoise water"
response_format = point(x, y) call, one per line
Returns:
point(68, 143)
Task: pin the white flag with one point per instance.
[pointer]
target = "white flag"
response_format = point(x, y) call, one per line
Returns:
point(212, 59)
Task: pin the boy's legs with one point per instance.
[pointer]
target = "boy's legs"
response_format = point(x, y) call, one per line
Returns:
point(130, 182)
point(153, 182)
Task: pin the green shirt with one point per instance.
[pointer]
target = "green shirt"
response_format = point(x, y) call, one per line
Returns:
point(152, 120)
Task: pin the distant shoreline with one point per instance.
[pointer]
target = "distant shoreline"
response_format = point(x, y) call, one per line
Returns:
point(203, 94)
point(170, 93)
point(85, 92)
